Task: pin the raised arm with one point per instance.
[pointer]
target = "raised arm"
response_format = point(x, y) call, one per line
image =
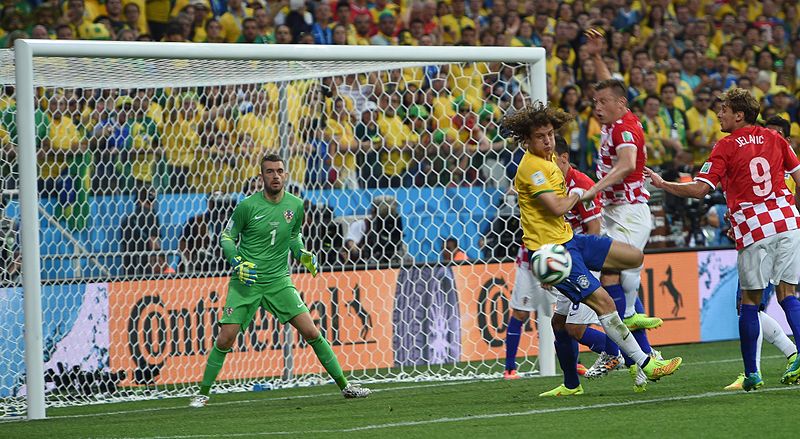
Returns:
point(594, 46)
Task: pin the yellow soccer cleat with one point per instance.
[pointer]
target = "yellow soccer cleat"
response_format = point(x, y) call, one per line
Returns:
point(562, 390)
point(642, 321)
point(657, 369)
point(736, 385)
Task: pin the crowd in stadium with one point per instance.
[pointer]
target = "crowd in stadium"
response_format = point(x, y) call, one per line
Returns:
point(432, 126)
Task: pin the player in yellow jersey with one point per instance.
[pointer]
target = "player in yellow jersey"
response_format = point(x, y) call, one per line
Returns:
point(543, 201)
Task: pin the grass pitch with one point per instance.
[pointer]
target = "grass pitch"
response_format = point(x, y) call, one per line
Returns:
point(690, 403)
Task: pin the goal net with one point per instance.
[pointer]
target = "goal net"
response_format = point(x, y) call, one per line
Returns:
point(141, 159)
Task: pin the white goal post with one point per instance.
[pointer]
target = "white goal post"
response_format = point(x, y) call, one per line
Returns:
point(42, 63)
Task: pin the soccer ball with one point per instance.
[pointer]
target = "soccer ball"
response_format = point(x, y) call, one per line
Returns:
point(551, 264)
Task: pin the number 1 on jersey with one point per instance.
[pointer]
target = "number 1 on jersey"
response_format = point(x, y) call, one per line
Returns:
point(273, 233)
point(761, 176)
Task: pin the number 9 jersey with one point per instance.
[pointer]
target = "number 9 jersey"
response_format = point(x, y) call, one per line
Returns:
point(750, 164)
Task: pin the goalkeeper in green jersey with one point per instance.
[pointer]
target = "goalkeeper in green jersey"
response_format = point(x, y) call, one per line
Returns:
point(267, 227)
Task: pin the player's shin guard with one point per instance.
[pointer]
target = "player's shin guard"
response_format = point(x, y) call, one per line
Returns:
point(791, 306)
point(213, 365)
point(773, 334)
point(512, 342)
point(622, 336)
point(749, 333)
point(328, 359)
point(630, 280)
point(566, 349)
point(594, 340)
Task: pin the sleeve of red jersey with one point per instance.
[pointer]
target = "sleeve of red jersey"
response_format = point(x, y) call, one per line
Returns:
point(625, 136)
point(790, 161)
point(711, 172)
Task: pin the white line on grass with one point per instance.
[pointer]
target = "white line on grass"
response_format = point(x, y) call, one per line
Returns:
point(317, 395)
point(474, 417)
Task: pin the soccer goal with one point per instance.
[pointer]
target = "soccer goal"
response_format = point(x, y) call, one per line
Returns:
point(122, 161)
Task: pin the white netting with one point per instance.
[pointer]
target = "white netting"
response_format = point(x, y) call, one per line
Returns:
point(142, 161)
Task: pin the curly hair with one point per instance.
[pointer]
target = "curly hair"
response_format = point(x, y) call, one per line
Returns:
point(521, 124)
point(741, 100)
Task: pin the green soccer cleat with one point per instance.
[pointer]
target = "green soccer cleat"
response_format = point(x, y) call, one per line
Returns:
point(562, 390)
point(657, 369)
point(752, 382)
point(792, 374)
point(736, 385)
point(639, 378)
point(642, 321)
point(790, 360)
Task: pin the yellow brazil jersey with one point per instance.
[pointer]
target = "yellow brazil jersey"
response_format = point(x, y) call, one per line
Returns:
point(536, 176)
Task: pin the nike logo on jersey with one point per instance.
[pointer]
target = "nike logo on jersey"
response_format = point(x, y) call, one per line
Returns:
point(258, 217)
point(299, 305)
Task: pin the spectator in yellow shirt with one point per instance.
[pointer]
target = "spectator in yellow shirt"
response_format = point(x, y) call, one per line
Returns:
point(386, 31)
point(399, 141)
point(703, 129)
point(452, 24)
point(65, 139)
point(231, 21)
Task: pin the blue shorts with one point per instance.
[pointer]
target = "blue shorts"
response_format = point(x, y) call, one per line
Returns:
point(588, 254)
point(766, 296)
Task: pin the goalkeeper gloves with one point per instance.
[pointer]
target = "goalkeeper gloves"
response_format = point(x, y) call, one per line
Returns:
point(244, 271)
point(309, 261)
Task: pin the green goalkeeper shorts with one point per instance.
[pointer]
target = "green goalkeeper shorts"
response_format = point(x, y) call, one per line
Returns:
point(279, 297)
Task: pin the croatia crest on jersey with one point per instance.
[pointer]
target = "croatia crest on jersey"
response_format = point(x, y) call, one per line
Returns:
point(288, 215)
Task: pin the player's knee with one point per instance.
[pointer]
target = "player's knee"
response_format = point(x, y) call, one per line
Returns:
point(575, 331)
point(558, 322)
point(609, 277)
point(311, 333)
point(520, 315)
point(601, 302)
point(226, 338)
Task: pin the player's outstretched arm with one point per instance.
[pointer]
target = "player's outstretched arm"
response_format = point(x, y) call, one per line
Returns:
point(626, 163)
point(558, 205)
point(695, 189)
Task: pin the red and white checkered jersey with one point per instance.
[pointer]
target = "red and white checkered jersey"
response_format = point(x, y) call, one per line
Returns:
point(624, 133)
point(581, 213)
point(750, 164)
point(522, 257)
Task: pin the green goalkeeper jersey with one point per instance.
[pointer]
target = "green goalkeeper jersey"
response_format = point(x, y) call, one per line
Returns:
point(266, 232)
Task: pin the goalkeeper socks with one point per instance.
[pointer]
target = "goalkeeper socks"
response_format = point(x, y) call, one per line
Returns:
point(566, 348)
point(328, 359)
point(617, 331)
point(749, 334)
point(594, 340)
point(791, 306)
point(512, 342)
point(773, 334)
point(618, 294)
point(214, 364)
